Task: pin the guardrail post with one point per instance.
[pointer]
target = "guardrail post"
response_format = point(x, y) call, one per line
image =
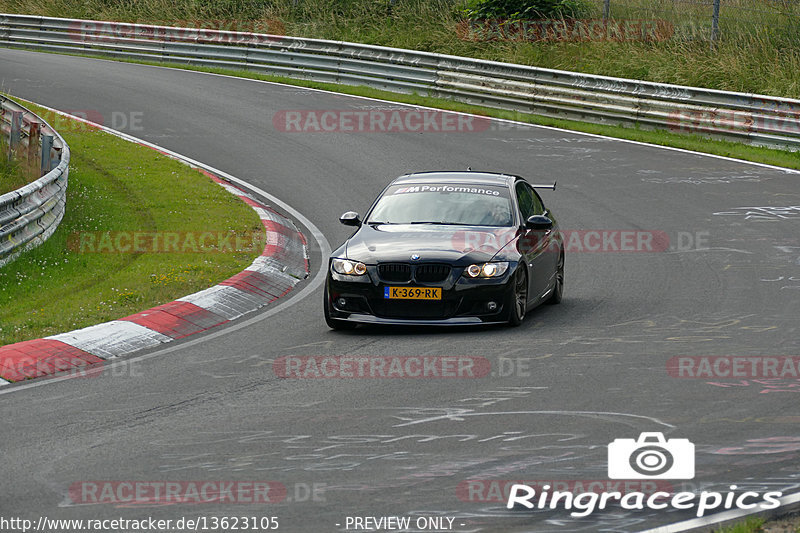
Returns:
point(33, 140)
point(55, 157)
point(606, 9)
point(16, 131)
point(47, 147)
point(715, 24)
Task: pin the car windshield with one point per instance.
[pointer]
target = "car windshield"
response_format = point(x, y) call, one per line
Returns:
point(452, 204)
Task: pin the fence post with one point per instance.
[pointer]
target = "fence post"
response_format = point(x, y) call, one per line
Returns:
point(55, 157)
point(47, 147)
point(16, 131)
point(715, 24)
point(606, 9)
point(33, 141)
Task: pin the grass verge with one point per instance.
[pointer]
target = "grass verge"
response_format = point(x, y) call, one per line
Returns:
point(790, 524)
point(751, 525)
point(115, 185)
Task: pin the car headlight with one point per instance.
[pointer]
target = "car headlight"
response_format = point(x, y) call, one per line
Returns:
point(351, 268)
point(487, 270)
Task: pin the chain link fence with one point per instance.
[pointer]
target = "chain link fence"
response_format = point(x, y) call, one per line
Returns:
point(771, 22)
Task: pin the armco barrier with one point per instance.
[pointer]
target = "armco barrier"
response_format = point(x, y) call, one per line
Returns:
point(28, 216)
point(748, 118)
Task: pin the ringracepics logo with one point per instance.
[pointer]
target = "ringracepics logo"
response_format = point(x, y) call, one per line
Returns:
point(588, 502)
point(651, 457)
point(648, 457)
point(377, 121)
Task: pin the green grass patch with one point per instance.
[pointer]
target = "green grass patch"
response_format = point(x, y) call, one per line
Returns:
point(115, 185)
point(751, 525)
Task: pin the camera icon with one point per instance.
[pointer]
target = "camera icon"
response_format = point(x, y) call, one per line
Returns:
point(651, 457)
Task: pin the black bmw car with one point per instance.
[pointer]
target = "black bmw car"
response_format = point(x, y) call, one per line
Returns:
point(447, 248)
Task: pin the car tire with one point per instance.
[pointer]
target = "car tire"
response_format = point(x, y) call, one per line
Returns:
point(334, 323)
point(518, 298)
point(558, 289)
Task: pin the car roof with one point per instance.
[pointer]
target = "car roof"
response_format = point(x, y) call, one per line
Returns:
point(462, 176)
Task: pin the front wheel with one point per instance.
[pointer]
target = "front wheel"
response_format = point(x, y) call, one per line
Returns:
point(558, 289)
point(334, 323)
point(518, 301)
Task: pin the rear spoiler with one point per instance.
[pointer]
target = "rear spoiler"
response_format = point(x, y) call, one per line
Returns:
point(553, 186)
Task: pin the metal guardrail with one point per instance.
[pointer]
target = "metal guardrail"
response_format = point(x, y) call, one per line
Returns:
point(748, 118)
point(29, 215)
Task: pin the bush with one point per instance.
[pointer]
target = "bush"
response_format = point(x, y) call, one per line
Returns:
point(527, 9)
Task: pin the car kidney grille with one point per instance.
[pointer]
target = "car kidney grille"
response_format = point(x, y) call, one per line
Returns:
point(395, 271)
point(432, 273)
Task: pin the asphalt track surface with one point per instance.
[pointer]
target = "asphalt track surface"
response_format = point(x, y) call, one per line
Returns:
point(567, 382)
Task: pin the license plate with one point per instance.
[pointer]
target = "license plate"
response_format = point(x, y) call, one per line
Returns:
point(412, 293)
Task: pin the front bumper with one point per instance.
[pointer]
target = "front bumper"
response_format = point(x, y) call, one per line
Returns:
point(465, 301)
point(457, 321)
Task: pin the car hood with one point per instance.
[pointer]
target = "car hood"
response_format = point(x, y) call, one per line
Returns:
point(460, 245)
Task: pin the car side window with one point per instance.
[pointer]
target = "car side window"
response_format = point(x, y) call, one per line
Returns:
point(527, 201)
point(538, 205)
point(524, 201)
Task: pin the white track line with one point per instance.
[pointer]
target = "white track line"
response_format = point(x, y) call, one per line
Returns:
point(482, 117)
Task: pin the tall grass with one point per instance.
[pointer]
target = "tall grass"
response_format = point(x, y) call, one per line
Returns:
point(14, 172)
point(758, 50)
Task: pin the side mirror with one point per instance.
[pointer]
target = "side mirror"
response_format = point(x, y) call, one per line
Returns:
point(350, 219)
point(539, 222)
